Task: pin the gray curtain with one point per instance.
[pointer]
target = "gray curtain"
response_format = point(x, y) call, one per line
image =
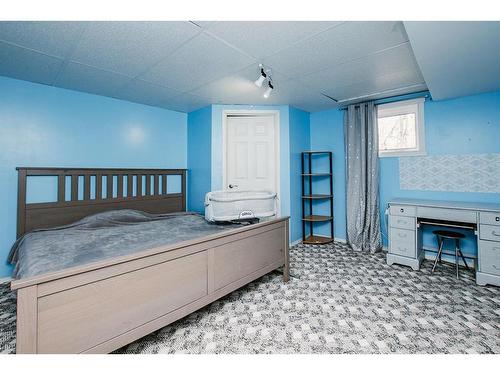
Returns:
point(362, 183)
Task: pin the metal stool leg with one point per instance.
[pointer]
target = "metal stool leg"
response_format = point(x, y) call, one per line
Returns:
point(438, 256)
point(462, 255)
point(456, 256)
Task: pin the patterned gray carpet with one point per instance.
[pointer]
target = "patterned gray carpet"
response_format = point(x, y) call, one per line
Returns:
point(339, 302)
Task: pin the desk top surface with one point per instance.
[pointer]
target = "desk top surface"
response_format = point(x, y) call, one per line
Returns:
point(474, 206)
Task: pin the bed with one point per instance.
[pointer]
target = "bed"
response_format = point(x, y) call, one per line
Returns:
point(107, 301)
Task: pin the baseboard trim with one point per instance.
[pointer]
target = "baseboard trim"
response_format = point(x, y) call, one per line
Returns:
point(339, 240)
point(5, 280)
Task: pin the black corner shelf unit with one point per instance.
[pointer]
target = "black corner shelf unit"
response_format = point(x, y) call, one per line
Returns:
point(309, 219)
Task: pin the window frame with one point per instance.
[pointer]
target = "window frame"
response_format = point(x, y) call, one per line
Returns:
point(401, 108)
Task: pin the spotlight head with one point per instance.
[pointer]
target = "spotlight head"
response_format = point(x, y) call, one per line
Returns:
point(269, 90)
point(259, 81)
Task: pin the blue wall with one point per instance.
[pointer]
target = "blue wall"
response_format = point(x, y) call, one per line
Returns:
point(327, 134)
point(460, 126)
point(299, 141)
point(48, 126)
point(199, 151)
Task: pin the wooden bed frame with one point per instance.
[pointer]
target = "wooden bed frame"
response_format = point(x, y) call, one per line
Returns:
point(102, 306)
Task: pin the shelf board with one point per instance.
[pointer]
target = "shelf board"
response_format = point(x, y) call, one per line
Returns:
point(316, 152)
point(317, 240)
point(316, 174)
point(317, 218)
point(317, 196)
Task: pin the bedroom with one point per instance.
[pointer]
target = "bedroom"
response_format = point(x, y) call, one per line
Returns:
point(219, 187)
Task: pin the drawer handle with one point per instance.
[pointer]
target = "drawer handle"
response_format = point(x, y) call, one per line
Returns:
point(495, 233)
point(494, 266)
point(402, 235)
point(403, 250)
point(401, 221)
point(497, 218)
point(401, 210)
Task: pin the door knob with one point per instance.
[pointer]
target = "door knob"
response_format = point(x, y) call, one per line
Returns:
point(232, 186)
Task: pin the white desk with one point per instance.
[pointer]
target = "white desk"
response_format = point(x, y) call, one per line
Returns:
point(405, 236)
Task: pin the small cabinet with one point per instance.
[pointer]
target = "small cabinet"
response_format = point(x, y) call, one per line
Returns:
point(403, 235)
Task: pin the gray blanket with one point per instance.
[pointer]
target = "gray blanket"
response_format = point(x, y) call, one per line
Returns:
point(104, 235)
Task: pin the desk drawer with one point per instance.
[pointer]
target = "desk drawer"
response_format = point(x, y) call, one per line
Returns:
point(489, 257)
point(464, 216)
point(402, 222)
point(491, 218)
point(489, 232)
point(403, 210)
point(402, 242)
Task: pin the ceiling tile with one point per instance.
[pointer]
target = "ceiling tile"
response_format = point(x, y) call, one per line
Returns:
point(131, 48)
point(343, 43)
point(145, 92)
point(263, 38)
point(199, 61)
point(185, 103)
point(368, 68)
point(25, 64)
point(80, 77)
point(52, 38)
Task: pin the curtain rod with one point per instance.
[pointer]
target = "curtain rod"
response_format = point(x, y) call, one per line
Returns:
point(395, 98)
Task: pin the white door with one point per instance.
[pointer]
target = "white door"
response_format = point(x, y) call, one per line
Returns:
point(251, 153)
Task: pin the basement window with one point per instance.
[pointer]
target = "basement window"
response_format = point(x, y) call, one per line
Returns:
point(401, 128)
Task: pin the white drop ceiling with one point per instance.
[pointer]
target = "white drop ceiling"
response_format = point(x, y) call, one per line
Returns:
point(184, 66)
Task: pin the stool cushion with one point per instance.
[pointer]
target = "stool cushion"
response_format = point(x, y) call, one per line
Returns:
point(448, 234)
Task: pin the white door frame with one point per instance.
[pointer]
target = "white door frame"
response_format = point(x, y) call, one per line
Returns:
point(277, 156)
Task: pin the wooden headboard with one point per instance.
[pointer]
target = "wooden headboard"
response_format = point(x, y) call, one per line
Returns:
point(138, 189)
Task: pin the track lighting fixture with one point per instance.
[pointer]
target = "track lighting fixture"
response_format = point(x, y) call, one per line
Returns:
point(269, 90)
point(265, 75)
point(259, 81)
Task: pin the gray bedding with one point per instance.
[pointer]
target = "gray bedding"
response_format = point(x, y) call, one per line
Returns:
point(104, 235)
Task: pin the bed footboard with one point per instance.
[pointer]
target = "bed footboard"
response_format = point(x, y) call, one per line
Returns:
point(101, 307)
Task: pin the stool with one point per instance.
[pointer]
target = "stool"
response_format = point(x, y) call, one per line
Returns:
point(443, 235)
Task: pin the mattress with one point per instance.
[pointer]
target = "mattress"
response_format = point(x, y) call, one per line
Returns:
point(102, 236)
